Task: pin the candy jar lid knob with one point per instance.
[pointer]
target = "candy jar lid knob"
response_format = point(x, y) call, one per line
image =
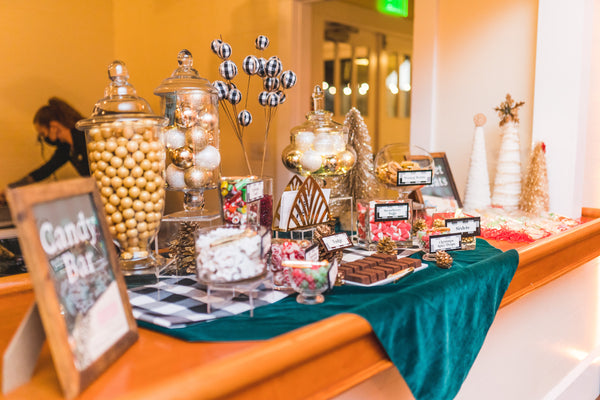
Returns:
point(118, 75)
point(318, 97)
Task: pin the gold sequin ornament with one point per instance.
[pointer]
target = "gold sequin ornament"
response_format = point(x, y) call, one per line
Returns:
point(386, 246)
point(443, 259)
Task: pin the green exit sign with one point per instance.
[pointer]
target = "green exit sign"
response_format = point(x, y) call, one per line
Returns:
point(398, 8)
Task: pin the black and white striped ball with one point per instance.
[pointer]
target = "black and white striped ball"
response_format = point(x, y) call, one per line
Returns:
point(215, 45)
point(250, 65)
point(228, 69)
point(281, 96)
point(263, 98)
point(234, 96)
point(261, 42)
point(273, 67)
point(262, 65)
point(270, 83)
point(288, 79)
point(273, 100)
point(244, 118)
point(225, 51)
point(222, 89)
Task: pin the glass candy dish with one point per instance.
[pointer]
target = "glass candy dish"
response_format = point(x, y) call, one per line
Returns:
point(309, 278)
point(404, 168)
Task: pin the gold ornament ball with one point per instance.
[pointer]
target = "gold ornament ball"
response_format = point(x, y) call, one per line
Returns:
point(196, 177)
point(291, 159)
point(183, 157)
point(197, 138)
point(346, 160)
point(208, 121)
point(185, 116)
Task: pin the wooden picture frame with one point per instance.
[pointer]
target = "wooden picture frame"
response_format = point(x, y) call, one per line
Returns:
point(80, 292)
point(443, 192)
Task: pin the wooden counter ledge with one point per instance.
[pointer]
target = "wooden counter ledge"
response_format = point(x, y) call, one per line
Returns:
point(317, 361)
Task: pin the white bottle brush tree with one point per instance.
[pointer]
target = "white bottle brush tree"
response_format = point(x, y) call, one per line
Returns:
point(507, 184)
point(477, 193)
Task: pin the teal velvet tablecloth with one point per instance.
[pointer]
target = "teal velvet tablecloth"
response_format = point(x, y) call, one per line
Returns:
point(432, 323)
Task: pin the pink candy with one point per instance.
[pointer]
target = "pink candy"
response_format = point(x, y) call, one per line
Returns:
point(283, 250)
point(375, 231)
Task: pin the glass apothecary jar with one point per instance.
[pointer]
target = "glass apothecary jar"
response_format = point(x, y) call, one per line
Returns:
point(190, 104)
point(319, 147)
point(127, 159)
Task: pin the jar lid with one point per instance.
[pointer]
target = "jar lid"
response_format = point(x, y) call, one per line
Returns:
point(120, 100)
point(185, 77)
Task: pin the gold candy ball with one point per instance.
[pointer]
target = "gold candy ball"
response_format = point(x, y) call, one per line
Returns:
point(183, 157)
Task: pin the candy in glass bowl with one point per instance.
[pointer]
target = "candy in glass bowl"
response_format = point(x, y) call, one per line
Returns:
point(404, 168)
point(309, 278)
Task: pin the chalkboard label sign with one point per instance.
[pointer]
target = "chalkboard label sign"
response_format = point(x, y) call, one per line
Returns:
point(443, 185)
point(445, 242)
point(80, 292)
point(470, 226)
point(391, 212)
point(409, 178)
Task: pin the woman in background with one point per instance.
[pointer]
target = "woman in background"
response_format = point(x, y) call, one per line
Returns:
point(55, 125)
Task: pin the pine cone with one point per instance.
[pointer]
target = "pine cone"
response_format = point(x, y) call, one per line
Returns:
point(386, 246)
point(419, 225)
point(183, 249)
point(443, 259)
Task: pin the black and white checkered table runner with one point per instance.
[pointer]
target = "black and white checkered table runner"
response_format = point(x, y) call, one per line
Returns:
point(179, 301)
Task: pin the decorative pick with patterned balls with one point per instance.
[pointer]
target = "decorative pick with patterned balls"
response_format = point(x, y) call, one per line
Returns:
point(273, 67)
point(234, 96)
point(228, 69)
point(215, 45)
point(250, 65)
point(263, 98)
point(225, 51)
point(244, 118)
point(275, 81)
point(262, 67)
point(288, 79)
point(222, 89)
point(270, 83)
point(261, 42)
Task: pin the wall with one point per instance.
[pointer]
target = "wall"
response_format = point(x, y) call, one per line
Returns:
point(57, 48)
point(468, 55)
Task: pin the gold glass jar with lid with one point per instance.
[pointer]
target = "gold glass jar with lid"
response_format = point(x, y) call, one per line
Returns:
point(127, 159)
point(319, 147)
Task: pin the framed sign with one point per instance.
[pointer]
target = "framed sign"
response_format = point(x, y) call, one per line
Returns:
point(442, 192)
point(80, 292)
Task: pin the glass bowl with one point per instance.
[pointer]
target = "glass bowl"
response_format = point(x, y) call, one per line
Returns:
point(229, 254)
point(309, 278)
point(404, 168)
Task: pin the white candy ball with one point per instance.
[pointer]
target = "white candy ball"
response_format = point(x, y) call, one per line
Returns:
point(324, 143)
point(208, 158)
point(175, 177)
point(174, 138)
point(311, 160)
point(304, 139)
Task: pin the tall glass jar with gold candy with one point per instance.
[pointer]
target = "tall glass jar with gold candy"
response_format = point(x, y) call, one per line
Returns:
point(127, 158)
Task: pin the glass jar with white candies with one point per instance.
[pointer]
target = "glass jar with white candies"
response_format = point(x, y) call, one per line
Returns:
point(190, 103)
point(127, 158)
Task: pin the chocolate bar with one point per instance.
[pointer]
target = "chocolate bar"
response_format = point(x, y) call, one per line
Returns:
point(376, 267)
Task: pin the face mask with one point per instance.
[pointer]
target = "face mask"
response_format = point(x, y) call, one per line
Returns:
point(51, 142)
